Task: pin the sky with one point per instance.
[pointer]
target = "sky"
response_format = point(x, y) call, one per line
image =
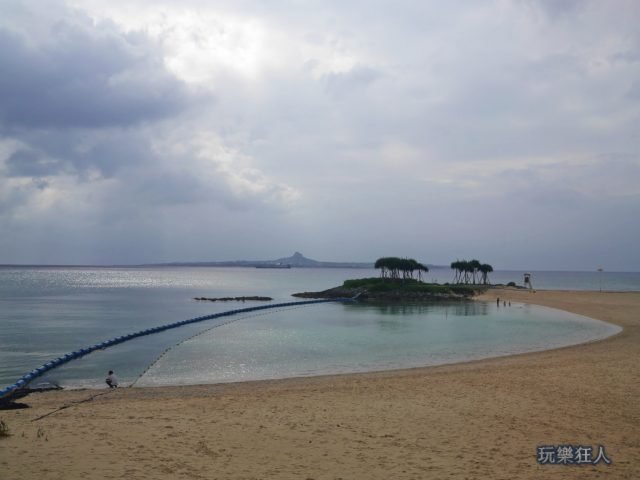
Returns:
point(155, 131)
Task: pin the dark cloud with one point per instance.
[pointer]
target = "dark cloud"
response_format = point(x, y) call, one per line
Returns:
point(458, 120)
point(82, 74)
point(80, 152)
point(24, 163)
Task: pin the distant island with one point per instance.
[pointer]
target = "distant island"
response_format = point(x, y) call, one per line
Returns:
point(296, 260)
point(401, 281)
point(383, 290)
point(236, 299)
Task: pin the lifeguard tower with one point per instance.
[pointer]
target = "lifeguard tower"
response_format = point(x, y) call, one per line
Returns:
point(527, 281)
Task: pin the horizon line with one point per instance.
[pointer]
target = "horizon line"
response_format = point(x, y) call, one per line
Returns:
point(195, 264)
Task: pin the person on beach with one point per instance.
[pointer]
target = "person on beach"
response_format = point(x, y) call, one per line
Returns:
point(111, 380)
point(498, 302)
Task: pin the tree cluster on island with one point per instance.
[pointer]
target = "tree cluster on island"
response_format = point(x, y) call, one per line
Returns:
point(471, 272)
point(400, 280)
point(394, 267)
point(466, 271)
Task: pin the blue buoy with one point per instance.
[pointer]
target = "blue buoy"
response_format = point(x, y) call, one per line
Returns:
point(107, 343)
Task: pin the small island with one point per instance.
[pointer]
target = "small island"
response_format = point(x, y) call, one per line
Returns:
point(231, 299)
point(401, 281)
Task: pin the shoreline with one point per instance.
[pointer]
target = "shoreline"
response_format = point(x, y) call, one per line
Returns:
point(394, 370)
point(344, 425)
point(481, 297)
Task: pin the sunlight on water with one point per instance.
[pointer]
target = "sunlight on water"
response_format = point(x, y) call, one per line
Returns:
point(49, 311)
point(338, 338)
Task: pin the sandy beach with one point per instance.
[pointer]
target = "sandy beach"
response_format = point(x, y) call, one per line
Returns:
point(478, 420)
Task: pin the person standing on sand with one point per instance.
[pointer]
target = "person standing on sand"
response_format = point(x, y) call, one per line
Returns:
point(498, 302)
point(111, 380)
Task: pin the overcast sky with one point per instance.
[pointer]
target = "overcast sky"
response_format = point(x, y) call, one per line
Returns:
point(136, 132)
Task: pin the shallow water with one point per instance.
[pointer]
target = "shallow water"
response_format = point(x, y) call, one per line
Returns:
point(343, 338)
point(47, 312)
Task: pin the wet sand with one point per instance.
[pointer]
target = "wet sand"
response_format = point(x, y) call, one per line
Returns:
point(479, 420)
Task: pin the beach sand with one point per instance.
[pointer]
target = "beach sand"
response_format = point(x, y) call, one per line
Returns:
point(478, 420)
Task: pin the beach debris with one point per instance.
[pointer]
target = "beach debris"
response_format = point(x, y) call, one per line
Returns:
point(231, 299)
point(8, 402)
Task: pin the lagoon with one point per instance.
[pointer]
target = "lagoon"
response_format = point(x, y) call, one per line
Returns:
point(48, 311)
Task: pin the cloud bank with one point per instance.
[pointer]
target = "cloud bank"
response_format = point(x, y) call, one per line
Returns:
point(138, 132)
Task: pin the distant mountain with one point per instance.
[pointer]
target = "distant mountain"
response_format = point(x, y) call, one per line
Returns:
point(295, 260)
point(299, 260)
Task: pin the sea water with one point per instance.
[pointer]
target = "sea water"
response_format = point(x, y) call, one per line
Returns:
point(48, 311)
point(344, 338)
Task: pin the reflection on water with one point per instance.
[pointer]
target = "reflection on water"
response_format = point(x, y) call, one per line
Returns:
point(47, 312)
point(336, 338)
point(457, 308)
point(396, 317)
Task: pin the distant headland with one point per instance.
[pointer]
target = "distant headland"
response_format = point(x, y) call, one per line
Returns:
point(297, 260)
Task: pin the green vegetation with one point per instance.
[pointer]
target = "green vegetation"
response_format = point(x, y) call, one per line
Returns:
point(393, 267)
point(471, 271)
point(379, 285)
point(401, 280)
point(397, 275)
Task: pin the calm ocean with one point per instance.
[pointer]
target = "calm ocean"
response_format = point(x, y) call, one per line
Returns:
point(49, 311)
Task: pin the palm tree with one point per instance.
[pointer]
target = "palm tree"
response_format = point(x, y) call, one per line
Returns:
point(466, 271)
point(392, 267)
point(474, 266)
point(485, 269)
point(421, 268)
point(456, 267)
point(382, 265)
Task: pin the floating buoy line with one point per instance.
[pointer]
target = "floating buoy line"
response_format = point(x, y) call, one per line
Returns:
point(168, 349)
point(17, 389)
